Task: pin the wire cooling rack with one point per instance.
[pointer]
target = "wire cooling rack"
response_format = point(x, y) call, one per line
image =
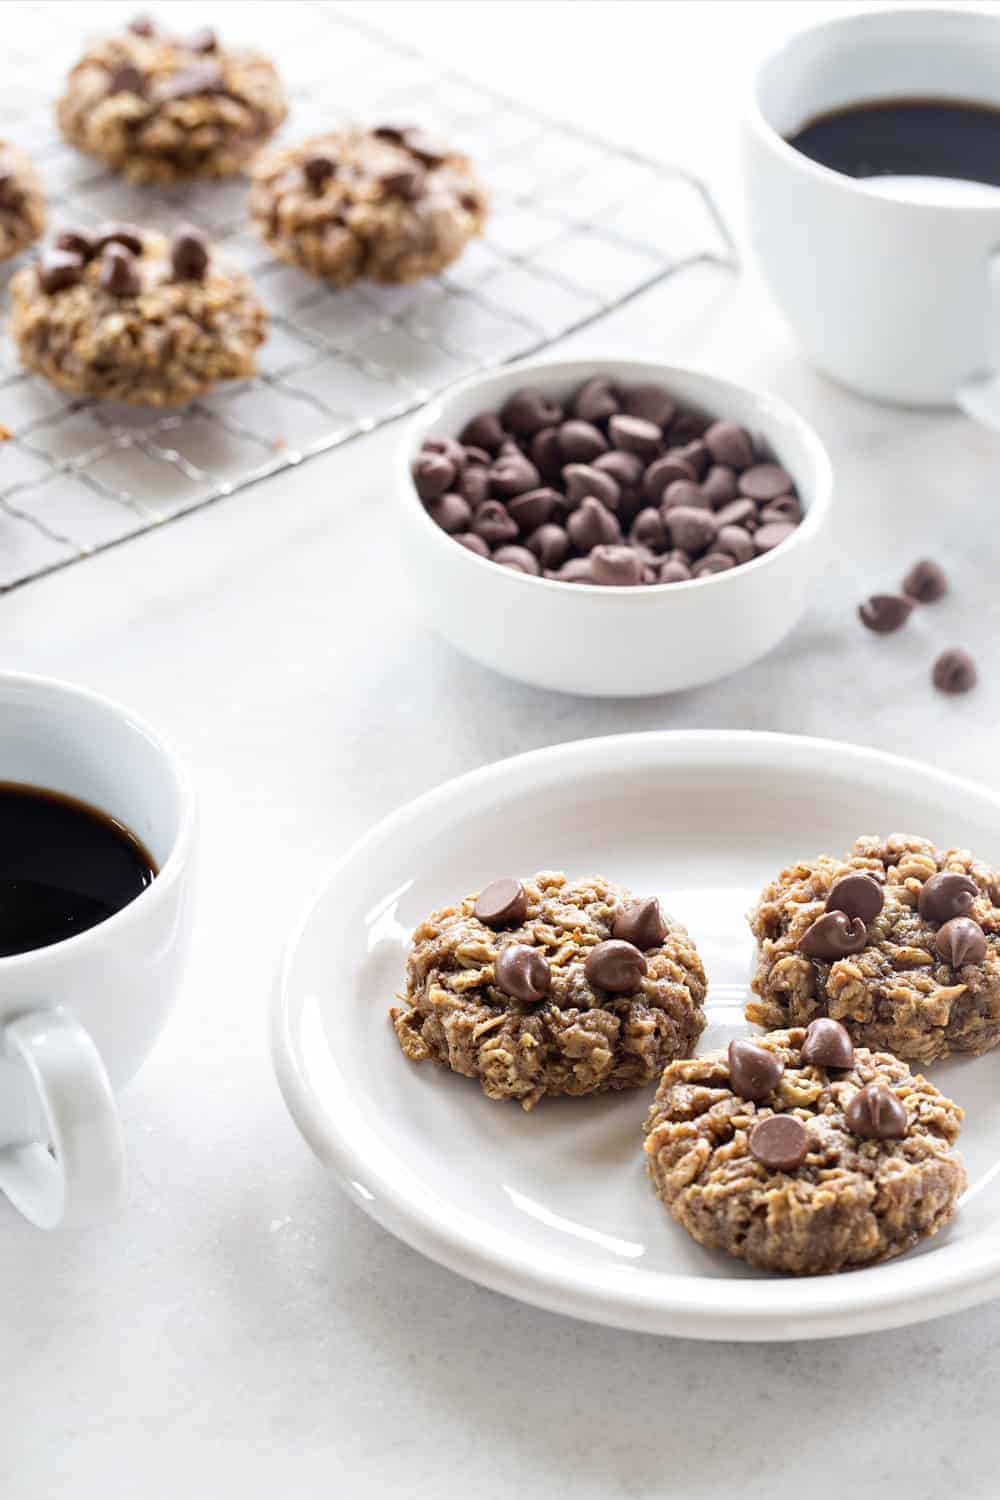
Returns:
point(578, 227)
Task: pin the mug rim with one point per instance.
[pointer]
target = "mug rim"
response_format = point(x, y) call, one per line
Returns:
point(758, 122)
point(173, 866)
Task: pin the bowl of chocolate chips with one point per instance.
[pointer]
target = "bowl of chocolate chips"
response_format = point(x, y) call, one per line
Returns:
point(616, 528)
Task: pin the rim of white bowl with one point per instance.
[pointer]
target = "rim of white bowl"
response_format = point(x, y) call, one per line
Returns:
point(434, 414)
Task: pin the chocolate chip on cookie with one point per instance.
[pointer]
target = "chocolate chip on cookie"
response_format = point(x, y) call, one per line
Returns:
point(318, 169)
point(189, 254)
point(754, 1071)
point(876, 1114)
point(59, 269)
point(780, 1143)
point(503, 903)
point(616, 966)
point(119, 274)
point(961, 941)
point(858, 895)
point(945, 895)
point(523, 973)
point(833, 936)
point(127, 79)
point(827, 1044)
point(118, 234)
point(641, 924)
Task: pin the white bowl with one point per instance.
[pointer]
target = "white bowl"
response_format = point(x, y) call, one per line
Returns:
point(615, 642)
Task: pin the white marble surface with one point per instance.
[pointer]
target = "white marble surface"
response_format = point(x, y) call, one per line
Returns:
point(244, 1330)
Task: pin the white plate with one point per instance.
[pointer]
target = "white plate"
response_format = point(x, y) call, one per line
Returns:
point(554, 1206)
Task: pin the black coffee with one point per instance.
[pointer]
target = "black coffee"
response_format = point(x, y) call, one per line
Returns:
point(906, 138)
point(64, 867)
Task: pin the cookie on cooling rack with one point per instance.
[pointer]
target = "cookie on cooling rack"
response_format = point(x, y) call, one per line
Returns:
point(162, 108)
point(128, 315)
point(387, 204)
point(22, 206)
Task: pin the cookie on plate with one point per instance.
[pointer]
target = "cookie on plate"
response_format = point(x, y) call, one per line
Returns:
point(899, 940)
point(22, 206)
point(388, 204)
point(798, 1152)
point(126, 314)
point(550, 986)
point(162, 108)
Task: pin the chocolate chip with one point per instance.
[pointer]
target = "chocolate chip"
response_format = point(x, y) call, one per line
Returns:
point(785, 508)
point(737, 542)
point(875, 1114)
point(672, 570)
point(453, 449)
point(546, 454)
point(142, 26)
point(713, 562)
point(684, 492)
point(592, 525)
point(533, 508)
point(961, 941)
point(693, 530)
point(954, 672)
point(405, 182)
point(395, 133)
point(616, 966)
point(450, 511)
point(737, 513)
point(765, 482)
point(634, 434)
point(473, 543)
point(127, 79)
point(59, 269)
point(650, 402)
point(884, 613)
point(695, 454)
point(527, 411)
point(614, 566)
point(427, 150)
point(641, 924)
point(827, 1044)
point(503, 903)
point(719, 486)
point(663, 472)
point(317, 171)
point(194, 79)
point(11, 193)
point(512, 474)
point(926, 582)
point(118, 234)
point(203, 40)
point(474, 485)
point(754, 1071)
point(947, 894)
point(580, 442)
point(119, 273)
point(483, 431)
point(626, 469)
point(74, 240)
point(493, 524)
point(523, 973)
point(833, 936)
point(582, 480)
point(648, 530)
point(595, 401)
point(729, 444)
point(857, 895)
point(518, 558)
point(576, 570)
point(766, 538)
point(550, 544)
point(433, 473)
point(189, 254)
point(780, 1143)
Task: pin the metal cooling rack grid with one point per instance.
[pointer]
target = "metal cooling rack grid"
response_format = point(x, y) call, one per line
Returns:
point(578, 228)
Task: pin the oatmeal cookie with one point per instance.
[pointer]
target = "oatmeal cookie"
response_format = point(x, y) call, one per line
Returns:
point(159, 108)
point(797, 1153)
point(125, 314)
point(550, 986)
point(22, 206)
point(388, 204)
point(900, 941)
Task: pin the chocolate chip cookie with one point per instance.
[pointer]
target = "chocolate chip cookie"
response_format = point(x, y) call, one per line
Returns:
point(550, 986)
point(162, 108)
point(126, 314)
point(388, 204)
point(899, 940)
point(22, 206)
point(798, 1152)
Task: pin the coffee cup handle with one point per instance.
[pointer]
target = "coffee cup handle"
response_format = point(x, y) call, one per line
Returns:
point(979, 397)
point(75, 1174)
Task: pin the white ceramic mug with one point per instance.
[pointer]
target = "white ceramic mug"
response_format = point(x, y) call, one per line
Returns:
point(888, 288)
point(78, 1017)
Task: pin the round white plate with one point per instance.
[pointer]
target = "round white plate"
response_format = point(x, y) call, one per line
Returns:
point(554, 1206)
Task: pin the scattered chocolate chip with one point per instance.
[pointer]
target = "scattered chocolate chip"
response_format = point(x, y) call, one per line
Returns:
point(203, 40)
point(523, 973)
point(493, 524)
point(433, 473)
point(729, 444)
point(875, 1114)
point(533, 508)
point(503, 903)
point(194, 79)
point(512, 474)
point(954, 672)
point(754, 1071)
point(884, 613)
point(766, 538)
point(580, 442)
point(142, 26)
point(119, 272)
point(947, 894)
point(473, 543)
point(692, 530)
point(118, 234)
point(527, 411)
point(483, 431)
point(634, 434)
point(317, 171)
point(856, 895)
point(719, 487)
point(765, 482)
point(74, 240)
point(403, 182)
point(451, 512)
point(592, 525)
point(650, 402)
point(641, 924)
point(59, 269)
point(550, 544)
point(616, 566)
point(189, 254)
point(616, 966)
point(780, 1143)
point(595, 401)
point(961, 941)
point(926, 582)
point(833, 936)
point(827, 1044)
point(127, 79)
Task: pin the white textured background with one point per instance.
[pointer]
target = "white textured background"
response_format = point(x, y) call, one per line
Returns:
point(244, 1331)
